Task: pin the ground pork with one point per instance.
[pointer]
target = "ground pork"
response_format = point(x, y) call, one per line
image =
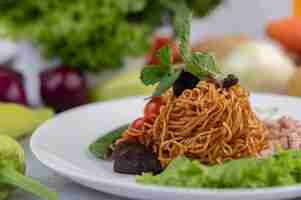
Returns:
point(284, 132)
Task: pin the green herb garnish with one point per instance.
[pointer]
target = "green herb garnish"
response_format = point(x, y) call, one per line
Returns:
point(151, 74)
point(101, 147)
point(165, 55)
point(201, 65)
point(166, 82)
point(183, 28)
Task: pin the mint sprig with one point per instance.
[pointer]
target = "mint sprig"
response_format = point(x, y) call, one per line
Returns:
point(164, 74)
point(152, 74)
point(183, 29)
point(201, 65)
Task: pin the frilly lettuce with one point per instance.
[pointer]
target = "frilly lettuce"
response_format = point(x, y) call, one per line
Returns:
point(279, 170)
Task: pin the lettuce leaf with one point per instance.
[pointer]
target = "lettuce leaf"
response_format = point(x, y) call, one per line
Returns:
point(280, 170)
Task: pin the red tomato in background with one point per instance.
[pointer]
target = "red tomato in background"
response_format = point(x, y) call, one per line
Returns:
point(159, 42)
point(138, 123)
point(152, 108)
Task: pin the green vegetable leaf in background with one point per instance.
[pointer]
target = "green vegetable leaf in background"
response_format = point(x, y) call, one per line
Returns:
point(12, 172)
point(202, 64)
point(101, 148)
point(92, 35)
point(166, 82)
point(132, 5)
point(202, 8)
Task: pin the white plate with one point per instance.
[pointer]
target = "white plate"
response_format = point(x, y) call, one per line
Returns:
point(62, 142)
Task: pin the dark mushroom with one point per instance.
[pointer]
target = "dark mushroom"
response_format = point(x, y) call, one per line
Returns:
point(134, 158)
point(229, 81)
point(185, 81)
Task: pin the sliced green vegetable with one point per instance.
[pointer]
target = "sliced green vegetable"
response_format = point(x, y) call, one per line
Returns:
point(9, 176)
point(101, 147)
point(12, 170)
point(281, 169)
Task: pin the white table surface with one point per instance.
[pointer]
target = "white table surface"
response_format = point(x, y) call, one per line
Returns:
point(66, 188)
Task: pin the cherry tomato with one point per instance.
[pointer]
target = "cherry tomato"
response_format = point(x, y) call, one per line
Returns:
point(152, 108)
point(138, 123)
point(161, 41)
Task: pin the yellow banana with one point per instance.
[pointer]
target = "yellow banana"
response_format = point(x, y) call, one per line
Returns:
point(18, 121)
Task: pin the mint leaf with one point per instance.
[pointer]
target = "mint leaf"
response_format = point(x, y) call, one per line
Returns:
point(183, 20)
point(165, 56)
point(166, 82)
point(202, 64)
point(152, 74)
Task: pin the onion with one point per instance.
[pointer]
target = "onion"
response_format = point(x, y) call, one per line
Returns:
point(260, 66)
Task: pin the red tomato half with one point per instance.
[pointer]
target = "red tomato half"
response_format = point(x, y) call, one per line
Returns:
point(152, 108)
point(138, 123)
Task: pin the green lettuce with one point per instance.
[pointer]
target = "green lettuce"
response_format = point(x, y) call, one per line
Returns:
point(279, 170)
point(92, 35)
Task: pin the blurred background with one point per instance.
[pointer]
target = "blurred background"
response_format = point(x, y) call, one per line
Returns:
point(62, 54)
